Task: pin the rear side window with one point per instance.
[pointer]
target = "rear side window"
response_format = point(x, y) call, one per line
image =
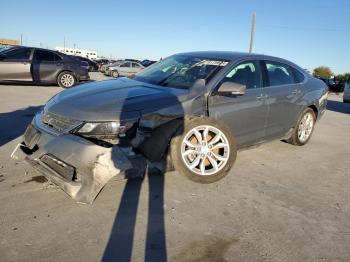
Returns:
point(278, 74)
point(42, 55)
point(298, 76)
point(135, 65)
point(57, 57)
point(246, 73)
point(17, 54)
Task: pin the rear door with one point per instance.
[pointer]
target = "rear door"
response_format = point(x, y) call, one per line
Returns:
point(45, 65)
point(15, 65)
point(125, 69)
point(245, 115)
point(136, 67)
point(283, 93)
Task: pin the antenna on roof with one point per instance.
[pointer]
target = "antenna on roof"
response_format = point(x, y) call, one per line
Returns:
point(252, 34)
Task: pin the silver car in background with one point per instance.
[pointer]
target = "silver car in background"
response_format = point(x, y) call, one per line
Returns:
point(346, 95)
point(125, 68)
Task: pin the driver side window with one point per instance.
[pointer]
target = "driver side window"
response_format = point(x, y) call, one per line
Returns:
point(17, 54)
point(246, 73)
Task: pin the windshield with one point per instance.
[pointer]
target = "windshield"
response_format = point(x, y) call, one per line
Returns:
point(180, 71)
point(4, 48)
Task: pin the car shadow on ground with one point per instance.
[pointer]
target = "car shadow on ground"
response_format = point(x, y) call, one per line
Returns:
point(149, 151)
point(13, 124)
point(338, 106)
point(120, 244)
point(18, 83)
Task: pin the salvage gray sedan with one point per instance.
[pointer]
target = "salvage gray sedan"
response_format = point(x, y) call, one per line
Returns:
point(190, 111)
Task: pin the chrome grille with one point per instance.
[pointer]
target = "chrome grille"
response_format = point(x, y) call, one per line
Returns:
point(58, 123)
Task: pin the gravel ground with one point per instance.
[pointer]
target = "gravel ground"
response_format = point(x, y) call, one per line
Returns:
point(280, 202)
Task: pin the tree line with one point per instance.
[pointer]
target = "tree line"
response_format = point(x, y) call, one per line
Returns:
point(326, 72)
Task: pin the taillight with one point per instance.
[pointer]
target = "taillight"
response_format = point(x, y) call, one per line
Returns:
point(84, 65)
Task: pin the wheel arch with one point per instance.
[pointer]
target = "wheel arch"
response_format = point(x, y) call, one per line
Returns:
point(157, 144)
point(65, 70)
point(314, 108)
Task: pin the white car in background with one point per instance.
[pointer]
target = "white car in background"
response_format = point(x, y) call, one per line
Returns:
point(125, 68)
point(346, 95)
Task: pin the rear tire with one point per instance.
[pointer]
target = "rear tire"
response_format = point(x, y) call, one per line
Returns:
point(303, 128)
point(66, 80)
point(205, 151)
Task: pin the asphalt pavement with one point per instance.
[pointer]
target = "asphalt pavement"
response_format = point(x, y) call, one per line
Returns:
point(279, 202)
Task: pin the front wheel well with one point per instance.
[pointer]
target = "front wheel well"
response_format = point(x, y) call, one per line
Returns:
point(314, 108)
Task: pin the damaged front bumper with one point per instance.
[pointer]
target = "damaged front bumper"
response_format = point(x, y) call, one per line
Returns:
point(78, 166)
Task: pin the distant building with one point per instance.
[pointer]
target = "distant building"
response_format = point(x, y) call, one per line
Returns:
point(77, 52)
point(8, 42)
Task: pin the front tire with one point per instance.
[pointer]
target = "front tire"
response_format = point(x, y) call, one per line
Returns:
point(66, 80)
point(115, 74)
point(304, 128)
point(205, 151)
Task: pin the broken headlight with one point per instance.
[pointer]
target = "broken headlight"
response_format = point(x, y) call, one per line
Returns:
point(104, 131)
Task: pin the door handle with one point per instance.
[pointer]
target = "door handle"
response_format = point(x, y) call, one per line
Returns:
point(296, 91)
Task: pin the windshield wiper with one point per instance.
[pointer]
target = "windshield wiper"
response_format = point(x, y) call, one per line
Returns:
point(161, 82)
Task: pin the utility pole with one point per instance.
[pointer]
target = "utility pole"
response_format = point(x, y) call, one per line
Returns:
point(21, 39)
point(252, 34)
point(64, 44)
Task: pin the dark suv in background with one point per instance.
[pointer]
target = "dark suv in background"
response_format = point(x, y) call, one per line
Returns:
point(93, 66)
point(42, 66)
point(333, 86)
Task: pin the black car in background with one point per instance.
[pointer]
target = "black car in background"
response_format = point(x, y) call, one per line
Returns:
point(41, 66)
point(101, 62)
point(93, 66)
point(147, 62)
point(333, 86)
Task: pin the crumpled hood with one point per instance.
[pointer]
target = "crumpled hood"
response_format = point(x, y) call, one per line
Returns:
point(121, 98)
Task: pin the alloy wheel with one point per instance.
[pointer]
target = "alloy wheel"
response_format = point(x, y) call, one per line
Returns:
point(305, 127)
point(67, 80)
point(205, 150)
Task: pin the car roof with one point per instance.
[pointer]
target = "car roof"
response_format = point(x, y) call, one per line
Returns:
point(36, 48)
point(224, 55)
point(232, 56)
point(229, 55)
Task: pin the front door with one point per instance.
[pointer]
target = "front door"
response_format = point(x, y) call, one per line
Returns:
point(125, 69)
point(15, 65)
point(245, 115)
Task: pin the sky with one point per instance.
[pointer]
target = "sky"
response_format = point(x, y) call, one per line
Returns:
point(310, 33)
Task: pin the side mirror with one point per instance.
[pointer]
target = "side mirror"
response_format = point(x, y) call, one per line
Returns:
point(232, 88)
